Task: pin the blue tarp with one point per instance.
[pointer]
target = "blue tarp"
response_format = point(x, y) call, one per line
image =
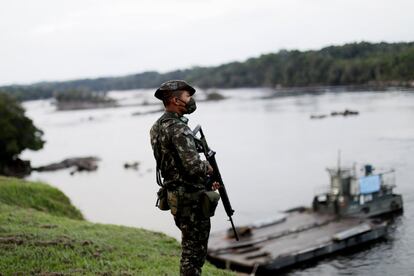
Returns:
point(369, 184)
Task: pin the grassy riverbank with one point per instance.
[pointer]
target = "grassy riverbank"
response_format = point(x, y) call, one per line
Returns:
point(41, 233)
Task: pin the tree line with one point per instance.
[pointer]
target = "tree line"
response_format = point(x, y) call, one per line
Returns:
point(350, 64)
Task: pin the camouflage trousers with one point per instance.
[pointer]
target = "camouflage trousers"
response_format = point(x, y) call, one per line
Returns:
point(194, 238)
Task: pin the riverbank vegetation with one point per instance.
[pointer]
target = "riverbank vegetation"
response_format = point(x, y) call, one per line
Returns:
point(17, 134)
point(369, 64)
point(82, 99)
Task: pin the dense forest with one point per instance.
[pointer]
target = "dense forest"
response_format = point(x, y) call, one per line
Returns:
point(377, 64)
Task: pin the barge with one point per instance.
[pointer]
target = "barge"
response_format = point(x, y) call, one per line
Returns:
point(354, 212)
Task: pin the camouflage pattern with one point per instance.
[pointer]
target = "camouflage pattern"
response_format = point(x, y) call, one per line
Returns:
point(180, 161)
point(184, 175)
point(173, 85)
point(194, 240)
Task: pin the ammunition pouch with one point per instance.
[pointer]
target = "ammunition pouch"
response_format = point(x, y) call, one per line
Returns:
point(162, 199)
point(209, 201)
point(182, 203)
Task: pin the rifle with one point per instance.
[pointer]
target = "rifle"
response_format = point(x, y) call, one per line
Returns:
point(202, 146)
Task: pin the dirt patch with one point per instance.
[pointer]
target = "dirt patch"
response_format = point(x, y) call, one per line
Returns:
point(63, 240)
point(48, 226)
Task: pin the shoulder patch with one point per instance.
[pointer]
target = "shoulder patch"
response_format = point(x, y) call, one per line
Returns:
point(169, 122)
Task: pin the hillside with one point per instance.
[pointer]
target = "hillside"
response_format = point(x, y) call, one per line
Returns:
point(374, 64)
point(41, 233)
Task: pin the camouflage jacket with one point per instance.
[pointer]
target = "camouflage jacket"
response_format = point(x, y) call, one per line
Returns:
point(175, 152)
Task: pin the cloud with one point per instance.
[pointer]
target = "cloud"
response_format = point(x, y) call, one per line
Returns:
point(48, 29)
point(49, 40)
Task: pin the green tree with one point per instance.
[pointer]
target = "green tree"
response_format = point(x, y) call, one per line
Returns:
point(17, 131)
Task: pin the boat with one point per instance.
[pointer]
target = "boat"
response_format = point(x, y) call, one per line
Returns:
point(356, 210)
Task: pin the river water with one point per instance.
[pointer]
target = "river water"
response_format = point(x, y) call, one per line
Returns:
point(272, 157)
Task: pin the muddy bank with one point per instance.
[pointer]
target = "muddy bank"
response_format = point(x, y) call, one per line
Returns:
point(345, 113)
point(77, 163)
point(17, 168)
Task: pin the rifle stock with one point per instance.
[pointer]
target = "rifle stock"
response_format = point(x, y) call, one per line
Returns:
point(203, 147)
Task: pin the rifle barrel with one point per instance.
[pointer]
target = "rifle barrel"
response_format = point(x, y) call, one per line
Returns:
point(234, 229)
point(210, 156)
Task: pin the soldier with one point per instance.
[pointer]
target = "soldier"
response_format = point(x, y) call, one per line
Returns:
point(184, 173)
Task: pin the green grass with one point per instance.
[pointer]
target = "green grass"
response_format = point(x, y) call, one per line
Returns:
point(41, 233)
point(39, 196)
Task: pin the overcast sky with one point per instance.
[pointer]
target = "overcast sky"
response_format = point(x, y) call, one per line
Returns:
point(67, 39)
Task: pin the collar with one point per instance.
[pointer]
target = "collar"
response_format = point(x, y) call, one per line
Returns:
point(176, 115)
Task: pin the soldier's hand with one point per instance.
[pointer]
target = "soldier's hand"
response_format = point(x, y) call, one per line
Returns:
point(209, 169)
point(215, 186)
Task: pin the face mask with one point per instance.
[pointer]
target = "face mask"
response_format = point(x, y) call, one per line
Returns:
point(190, 106)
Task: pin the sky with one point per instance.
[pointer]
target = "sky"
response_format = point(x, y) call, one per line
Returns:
point(50, 40)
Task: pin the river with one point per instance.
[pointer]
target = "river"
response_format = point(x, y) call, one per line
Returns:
point(272, 157)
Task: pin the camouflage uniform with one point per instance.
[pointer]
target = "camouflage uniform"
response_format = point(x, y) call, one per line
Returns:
point(184, 177)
